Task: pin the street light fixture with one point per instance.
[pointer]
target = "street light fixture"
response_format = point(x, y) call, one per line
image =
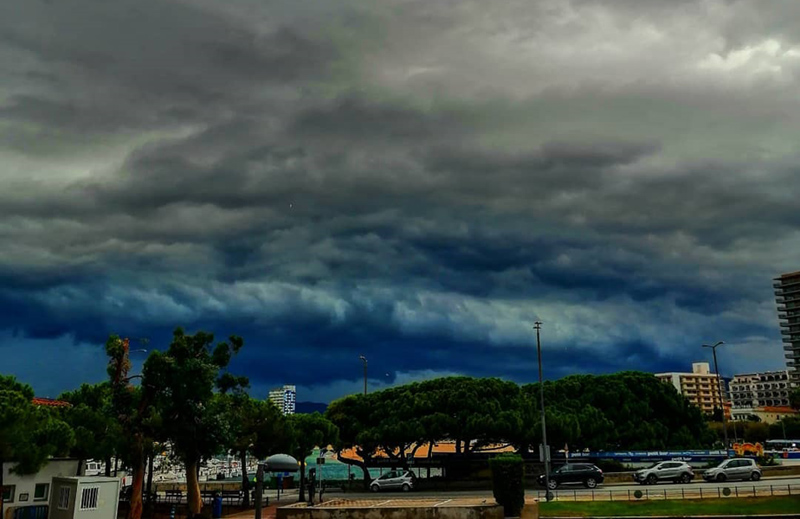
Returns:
point(721, 393)
point(364, 360)
point(545, 452)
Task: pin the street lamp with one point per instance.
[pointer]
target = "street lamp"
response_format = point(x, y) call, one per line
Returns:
point(364, 360)
point(545, 453)
point(721, 393)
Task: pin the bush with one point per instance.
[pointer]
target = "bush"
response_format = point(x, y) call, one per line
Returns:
point(508, 483)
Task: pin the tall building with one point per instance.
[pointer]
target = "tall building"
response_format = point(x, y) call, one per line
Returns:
point(787, 295)
point(767, 389)
point(700, 387)
point(761, 395)
point(285, 398)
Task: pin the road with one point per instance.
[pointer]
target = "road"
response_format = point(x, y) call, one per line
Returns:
point(620, 492)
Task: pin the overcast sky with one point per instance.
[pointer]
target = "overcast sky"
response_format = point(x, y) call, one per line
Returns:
point(416, 181)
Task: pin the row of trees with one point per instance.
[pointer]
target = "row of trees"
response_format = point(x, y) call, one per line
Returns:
point(628, 410)
point(185, 397)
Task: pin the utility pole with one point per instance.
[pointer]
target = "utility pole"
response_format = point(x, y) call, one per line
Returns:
point(364, 360)
point(545, 451)
point(721, 394)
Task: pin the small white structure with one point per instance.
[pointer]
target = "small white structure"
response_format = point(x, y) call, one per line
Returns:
point(84, 498)
point(34, 489)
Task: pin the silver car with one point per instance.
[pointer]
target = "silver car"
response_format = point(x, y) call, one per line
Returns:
point(675, 471)
point(394, 480)
point(734, 468)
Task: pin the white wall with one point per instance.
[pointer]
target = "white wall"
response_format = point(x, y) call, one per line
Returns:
point(27, 484)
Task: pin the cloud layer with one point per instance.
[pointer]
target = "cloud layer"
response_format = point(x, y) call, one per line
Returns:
point(413, 181)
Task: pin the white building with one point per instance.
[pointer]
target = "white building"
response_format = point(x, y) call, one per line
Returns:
point(84, 498)
point(34, 489)
point(285, 398)
point(765, 389)
point(700, 387)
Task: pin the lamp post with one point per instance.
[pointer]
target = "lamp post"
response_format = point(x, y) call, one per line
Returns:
point(545, 454)
point(721, 393)
point(364, 360)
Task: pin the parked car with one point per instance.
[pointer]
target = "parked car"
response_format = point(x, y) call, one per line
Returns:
point(404, 480)
point(675, 471)
point(584, 474)
point(734, 468)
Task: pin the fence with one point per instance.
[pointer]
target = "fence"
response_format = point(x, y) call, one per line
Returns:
point(662, 493)
point(30, 512)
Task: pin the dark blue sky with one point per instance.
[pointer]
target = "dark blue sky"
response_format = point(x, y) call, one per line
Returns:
point(414, 181)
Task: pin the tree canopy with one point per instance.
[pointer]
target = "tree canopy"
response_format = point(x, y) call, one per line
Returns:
point(183, 380)
point(97, 431)
point(29, 434)
point(628, 410)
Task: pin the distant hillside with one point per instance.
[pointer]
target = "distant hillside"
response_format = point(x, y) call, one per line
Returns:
point(309, 407)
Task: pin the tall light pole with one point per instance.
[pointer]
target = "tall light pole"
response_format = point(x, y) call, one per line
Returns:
point(364, 360)
point(545, 453)
point(721, 393)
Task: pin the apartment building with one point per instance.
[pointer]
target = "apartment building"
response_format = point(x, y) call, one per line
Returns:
point(700, 387)
point(285, 398)
point(766, 389)
point(787, 296)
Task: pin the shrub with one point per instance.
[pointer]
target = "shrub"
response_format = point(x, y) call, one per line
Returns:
point(508, 483)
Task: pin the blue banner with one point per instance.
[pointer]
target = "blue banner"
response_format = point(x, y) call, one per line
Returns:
point(639, 456)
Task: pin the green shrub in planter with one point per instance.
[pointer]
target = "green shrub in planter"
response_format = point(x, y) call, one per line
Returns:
point(508, 483)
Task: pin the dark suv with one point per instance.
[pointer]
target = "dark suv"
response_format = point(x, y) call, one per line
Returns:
point(582, 473)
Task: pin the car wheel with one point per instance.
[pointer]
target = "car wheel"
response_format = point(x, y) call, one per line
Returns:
point(685, 479)
point(755, 476)
point(553, 484)
point(721, 478)
point(590, 483)
point(652, 479)
point(375, 488)
point(406, 487)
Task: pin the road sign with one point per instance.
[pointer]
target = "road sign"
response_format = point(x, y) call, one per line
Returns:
point(542, 451)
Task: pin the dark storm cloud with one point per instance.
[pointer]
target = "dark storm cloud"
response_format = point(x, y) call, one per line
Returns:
point(413, 181)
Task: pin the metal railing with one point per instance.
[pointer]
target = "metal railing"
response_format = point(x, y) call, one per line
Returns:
point(664, 492)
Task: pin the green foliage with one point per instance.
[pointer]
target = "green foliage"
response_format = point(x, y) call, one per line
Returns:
point(309, 431)
point(29, 434)
point(794, 398)
point(182, 381)
point(508, 483)
point(97, 431)
point(628, 410)
point(787, 427)
point(253, 426)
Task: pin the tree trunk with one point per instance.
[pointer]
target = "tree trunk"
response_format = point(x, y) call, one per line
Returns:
point(302, 496)
point(135, 511)
point(78, 472)
point(150, 477)
point(193, 500)
point(361, 464)
point(430, 456)
point(245, 481)
point(108, 467)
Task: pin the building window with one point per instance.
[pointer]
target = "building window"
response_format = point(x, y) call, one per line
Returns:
point(89, 498)
point(63, 498)
point(41, 492)
point(8, 493)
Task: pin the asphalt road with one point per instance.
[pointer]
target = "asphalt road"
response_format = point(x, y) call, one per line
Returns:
point(618, 492)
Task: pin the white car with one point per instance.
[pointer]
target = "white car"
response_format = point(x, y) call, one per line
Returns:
point(675, 471)
point(394, 480)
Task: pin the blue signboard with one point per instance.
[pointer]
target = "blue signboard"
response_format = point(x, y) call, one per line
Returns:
point(640, 456)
